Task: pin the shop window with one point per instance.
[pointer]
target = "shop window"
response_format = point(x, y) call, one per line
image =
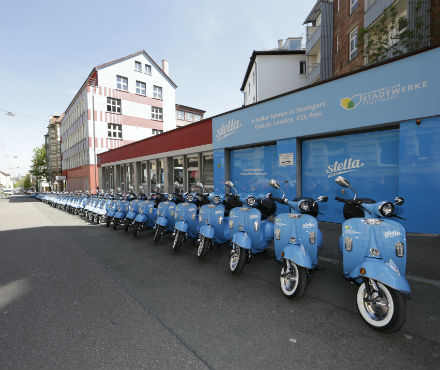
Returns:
point(161, 176)
point(143, 173)
point(208, 171)
point(192, 169)
point(153, 175)
point(178, 171)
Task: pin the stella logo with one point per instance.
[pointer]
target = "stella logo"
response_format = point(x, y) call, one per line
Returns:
point(347, 165)
point(351, 103)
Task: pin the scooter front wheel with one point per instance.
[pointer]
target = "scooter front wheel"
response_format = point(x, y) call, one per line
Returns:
point(293, 280)
point(157, 233)
point(381, 307)
point(136, 229)
point(115, 224)
point(178, 240)
point(204, 245)
point(237, 259)
point(107, 223)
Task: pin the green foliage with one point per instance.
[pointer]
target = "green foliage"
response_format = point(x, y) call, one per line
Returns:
point(391, 36)
point(39, 169)
point(27, 183)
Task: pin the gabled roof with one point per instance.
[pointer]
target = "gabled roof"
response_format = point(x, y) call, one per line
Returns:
point(266, 52)
point(134, 55)
point(95, 69)
point(313, 15)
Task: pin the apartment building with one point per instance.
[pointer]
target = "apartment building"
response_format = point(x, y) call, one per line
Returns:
point(6, 182)
point(53, 152)
point(274, 72)
point(120, 102)
point(186, 115)
point(319, 41)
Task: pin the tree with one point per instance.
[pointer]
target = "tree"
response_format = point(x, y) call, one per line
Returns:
point(391, 36)
point(39, 169)
point(27, 183)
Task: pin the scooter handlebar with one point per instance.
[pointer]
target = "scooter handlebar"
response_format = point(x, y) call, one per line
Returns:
point(343, 200)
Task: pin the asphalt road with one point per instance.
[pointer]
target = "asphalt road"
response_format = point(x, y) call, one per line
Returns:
point(75, 295)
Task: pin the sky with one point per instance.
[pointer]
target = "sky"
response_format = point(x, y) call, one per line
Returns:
point(50, 47)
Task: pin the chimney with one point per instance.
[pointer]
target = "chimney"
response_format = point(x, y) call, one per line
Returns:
point(280, 44)
point(165, 66)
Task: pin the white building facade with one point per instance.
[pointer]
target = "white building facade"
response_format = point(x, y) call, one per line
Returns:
point(274, 72)
point(6, 182)
point(122, 101)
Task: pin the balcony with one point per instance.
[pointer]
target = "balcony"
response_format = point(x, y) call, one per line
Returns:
point(375, 10)
point(313, 36)
point(314, 74)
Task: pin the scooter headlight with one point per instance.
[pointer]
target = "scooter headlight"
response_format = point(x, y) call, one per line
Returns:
point(256, 225)
point(216, 199)
point(304, 206)
point(312, 237)
point(220, 220)
point(277, 233)
point(387, 209)
point(200, 218)
point(400, 249)
point(348, 243)
point(189, 198)
point(231, 224)
point(250, 201)
point(193, 216)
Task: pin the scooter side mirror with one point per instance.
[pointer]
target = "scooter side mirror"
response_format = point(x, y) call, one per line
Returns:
point(199, 184)
point(341, 181)
point(322, 198)
point(176, 183)
point(399, 201)
point(229, 183)
point(274, 184)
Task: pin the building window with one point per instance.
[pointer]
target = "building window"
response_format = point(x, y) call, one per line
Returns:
point(122, 83)
point(138, 66)
point(156, 132)
point(141, 88)
point(353, 43)
point(147, 69)
point(181, 115)
point(302, 67)
point(156, 113)
point(197, 117)
point(113, 105)
point(353, 5)
point(189, 117)
point(114, 130)
point(157, 92)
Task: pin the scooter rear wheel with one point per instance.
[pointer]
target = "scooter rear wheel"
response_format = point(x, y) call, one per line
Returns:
point(178, 240)
point(237, 259)
point(293, 280)
point(204, 246)
point(384, 309)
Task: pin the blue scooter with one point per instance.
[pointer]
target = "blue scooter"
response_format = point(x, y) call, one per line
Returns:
point(187, 223)
point(165, 215)
point(251, 228)
point(147, 212)
point(374, 257)
point(297, 241)
point(214, 221)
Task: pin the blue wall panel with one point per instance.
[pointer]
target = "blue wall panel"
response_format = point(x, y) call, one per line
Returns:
point(369, 161)
point(419, 175)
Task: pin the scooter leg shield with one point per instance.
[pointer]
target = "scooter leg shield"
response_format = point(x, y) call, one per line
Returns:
point(181, 226)
point(386, 273)
point(162, 221)
point(242, 240)
point(298, 255)
point(207, 231)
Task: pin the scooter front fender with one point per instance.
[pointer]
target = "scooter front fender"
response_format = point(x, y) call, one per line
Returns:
point(242, 240)
point(207, 231)
point(162, 221)
point(181, 226)
point(140, 218)
point(298, 255)
point(385, 272)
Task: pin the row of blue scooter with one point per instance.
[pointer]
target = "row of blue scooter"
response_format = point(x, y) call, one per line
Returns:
point(373, 247)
